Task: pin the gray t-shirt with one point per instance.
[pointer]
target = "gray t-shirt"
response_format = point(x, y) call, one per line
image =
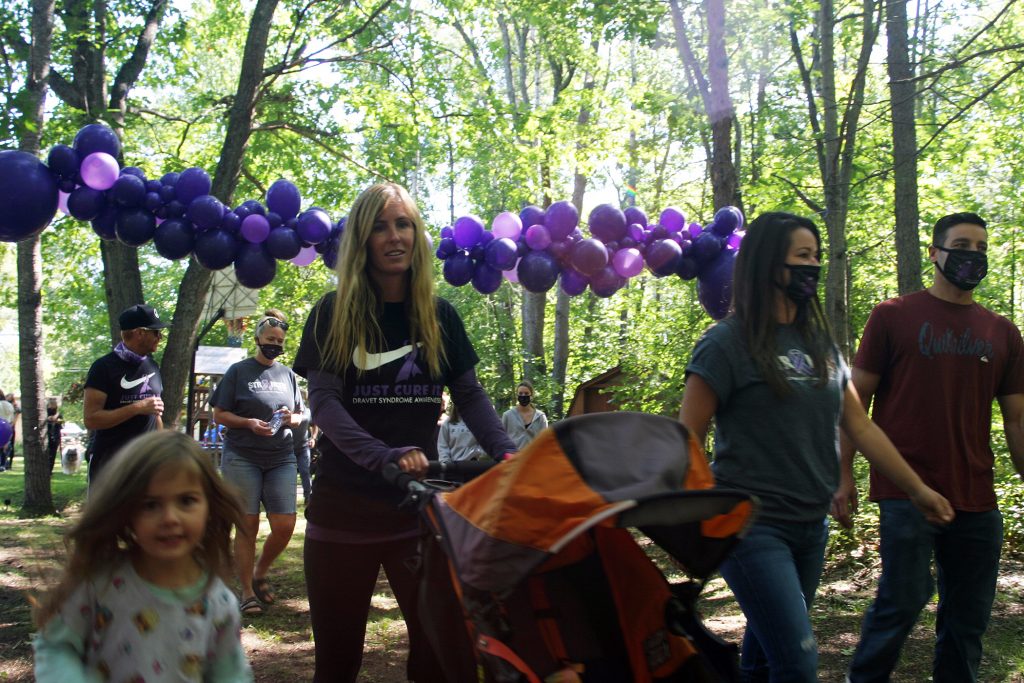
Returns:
point(251, 389)
point(783, 449)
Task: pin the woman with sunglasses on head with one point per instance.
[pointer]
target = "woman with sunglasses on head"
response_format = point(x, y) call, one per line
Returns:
point(378, 352)
point(778, 389)
point(523, 421)
point(258, 402)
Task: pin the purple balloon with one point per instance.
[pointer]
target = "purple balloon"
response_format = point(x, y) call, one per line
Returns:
point(727, 220)
point(254, 206)
point(467, 231)
point(531, 215)
point(283, 198)
point(154, 186)
point(255, 228)
point(663, 257)
point(560, 250)
point(606, 282)
point(105, 224)
point(458, 269)
point(152, 202)
point(628, 262)
point(193, 182)
point(735, 240)
point(135, 227)
point(254, 266)
point(633, 215)
point(573, 282)
point(96, 137)
point(64, 161)
point(99, 171)
point(695, 230)
point(231, 222)
point(314, 226)
point(687, 268)
point(561, 218)
point(67, 186)
point(6, 431)
point(589, 256)
point(447, 231)
point(134, 171)
point(174, 239)
point(283, 243)
point(275, 220)
point(86, 203)
point(305, 256)
point(538, 271)
point(170, 179)
point(28, 196)
point(507, 224)
point(673, 219)
point(205, 211)
point(714, 286)
point(607, 223)
point(446, 247)
point(487, 237)
point(501, 254)
point(538, 237)
point(705, 248)
point(486, 279)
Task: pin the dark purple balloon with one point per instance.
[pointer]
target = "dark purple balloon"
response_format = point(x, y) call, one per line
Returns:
point(727, 220)
point(64, 161)
point(175, 209)
point(28, 196)
point(657, 232)
point(573, 282)
point(607, 223)
point(86, 203)
point(589, 256)
point(96, 137)
point(467, 231)
point(193, 182)
point(254, 266)
point(135, 227)
point(538, 271)
point(67, 186)
point(705, 248)
point(128, 191)
point(152, 202)
point(446, 247)
point(561, 218)
point(166, 193)
point(174, 239)
point(663, 257)
point(486, 279)
point(206, 211)
point(154, 186)
point(135, 171)
point(635, 215)
point(458, 269)
point(447, 231)
point(537, 237)
point(560, 250)
point(687, 268)
point(501, 254)
point(105, 224)
point(606, 282)
point(477, 253)
point(314, 226)
point(714, 286)
point(254, 206)
point(283, 243)
point(531, 215)
point(170, 179)
point(283, 198)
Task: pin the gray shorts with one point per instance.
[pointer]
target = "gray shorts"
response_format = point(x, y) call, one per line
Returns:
point(267, 480)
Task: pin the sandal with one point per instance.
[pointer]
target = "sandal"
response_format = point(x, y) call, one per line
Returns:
point(263, 590)
point(251, 607)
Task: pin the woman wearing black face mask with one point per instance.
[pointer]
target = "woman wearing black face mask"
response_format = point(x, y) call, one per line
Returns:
point(258, 401)
point(524, 421)
point(776, 385)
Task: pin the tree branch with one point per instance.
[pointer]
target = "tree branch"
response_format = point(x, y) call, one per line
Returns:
point(129, 72)
point(316, 137)
point(811, 204)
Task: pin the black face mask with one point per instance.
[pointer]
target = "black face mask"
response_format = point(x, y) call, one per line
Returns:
point(524, 399)
point(271, 351)
point(51, 411)
point(964, 268)
point(803, 283)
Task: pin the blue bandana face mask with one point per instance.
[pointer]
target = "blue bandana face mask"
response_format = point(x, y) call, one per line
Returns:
point(965, 268)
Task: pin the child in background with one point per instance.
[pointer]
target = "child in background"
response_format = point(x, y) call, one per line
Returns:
point(142, 597)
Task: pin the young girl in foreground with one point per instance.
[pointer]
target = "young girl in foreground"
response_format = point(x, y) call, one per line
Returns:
point(142, 598)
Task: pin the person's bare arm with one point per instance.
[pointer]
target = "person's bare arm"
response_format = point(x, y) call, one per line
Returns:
point(844, 500)
point(233, 421)
point(96, 416)
point(1012, 407)
point(699, 405)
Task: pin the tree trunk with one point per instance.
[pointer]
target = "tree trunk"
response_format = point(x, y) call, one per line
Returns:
point(904, 148)
point(122, 281)
point(195, 284)
point(38, 499)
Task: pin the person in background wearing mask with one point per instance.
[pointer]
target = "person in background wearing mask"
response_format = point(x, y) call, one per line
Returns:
point(777, 387)
point(523, 421)
point(259, 404)
point(933, 361)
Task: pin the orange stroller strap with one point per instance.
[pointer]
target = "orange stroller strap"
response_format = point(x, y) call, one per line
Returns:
point(496, 648)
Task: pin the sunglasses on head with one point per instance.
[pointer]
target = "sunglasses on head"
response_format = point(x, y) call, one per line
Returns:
point(273, 322)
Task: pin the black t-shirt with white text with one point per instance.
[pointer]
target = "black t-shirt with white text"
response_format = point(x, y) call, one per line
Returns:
point(123, 383)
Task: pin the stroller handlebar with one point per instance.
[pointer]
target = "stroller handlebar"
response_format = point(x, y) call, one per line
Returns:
point(467, 468)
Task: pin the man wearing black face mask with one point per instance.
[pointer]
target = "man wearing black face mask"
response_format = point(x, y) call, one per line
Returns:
point(259, 403)
point(933, 361)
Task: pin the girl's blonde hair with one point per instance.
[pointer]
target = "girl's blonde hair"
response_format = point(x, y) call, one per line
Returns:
point(101, 538)
point(358, 303)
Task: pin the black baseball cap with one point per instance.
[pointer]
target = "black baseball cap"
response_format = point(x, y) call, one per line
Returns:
point(140, 315)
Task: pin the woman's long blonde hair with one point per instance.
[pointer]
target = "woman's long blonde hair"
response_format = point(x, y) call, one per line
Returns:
point(101, 538)
point(355, 323)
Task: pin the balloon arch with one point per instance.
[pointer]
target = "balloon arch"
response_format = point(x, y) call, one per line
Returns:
point(535, 248)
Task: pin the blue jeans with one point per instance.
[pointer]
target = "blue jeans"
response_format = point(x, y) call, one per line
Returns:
point(967, 557)
point(267, 480)
point(774, 573)
point(302, 458)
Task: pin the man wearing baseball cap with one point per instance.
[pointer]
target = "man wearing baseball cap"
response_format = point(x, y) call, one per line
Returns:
point(122, 390)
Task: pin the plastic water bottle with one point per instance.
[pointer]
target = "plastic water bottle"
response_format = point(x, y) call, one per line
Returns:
point(276, 421)
point(213, 436)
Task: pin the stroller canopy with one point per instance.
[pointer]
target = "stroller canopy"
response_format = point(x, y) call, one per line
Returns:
point(615, 469)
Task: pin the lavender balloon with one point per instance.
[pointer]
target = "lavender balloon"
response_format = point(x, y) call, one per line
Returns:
point(305, 256)
point(589, 256)
point(99, 171)
point(538, 238)
point(467, 232)
point(507, 224)
point(673, 219)
point(628, 262)
point(561, 218)
point(255, 228)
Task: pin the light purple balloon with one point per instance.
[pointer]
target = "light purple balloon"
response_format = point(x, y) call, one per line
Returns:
point(589, 256)
point(695, 229)
point(99, 171)
point(507, 224)
point(62, 202)
point(561, 218)
point(467, 232)
point(636, 231)
point(538, 237)
point(673, 219)
point(512, 275)
point(734, 240)
point(628, 262)
point(255, 228)
point(305, 256)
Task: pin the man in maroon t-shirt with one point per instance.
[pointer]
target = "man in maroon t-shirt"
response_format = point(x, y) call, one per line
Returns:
point(934, 361)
